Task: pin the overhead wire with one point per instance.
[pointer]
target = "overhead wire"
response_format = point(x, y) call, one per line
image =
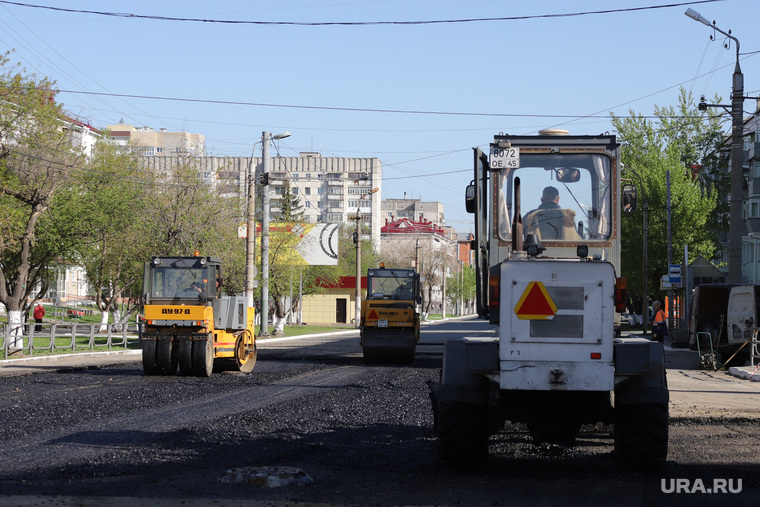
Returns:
point(354, 23)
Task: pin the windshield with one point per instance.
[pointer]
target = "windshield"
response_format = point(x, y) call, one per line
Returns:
point(391, 284)
point(564, 197)
point(172, 282)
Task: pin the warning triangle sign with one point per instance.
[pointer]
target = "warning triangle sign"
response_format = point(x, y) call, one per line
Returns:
point(372, 315)
point(535, 303)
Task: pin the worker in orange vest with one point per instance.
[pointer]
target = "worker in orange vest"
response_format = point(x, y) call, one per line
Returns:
point(659, 323)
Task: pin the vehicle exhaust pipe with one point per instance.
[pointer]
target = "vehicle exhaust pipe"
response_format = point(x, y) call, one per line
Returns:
point(517, 225)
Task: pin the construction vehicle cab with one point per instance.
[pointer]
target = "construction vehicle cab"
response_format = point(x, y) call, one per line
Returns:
point(189, 323)
point(548, 275)
point(390, 322)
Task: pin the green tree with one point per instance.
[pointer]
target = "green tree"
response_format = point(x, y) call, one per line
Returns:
point(461, 285)
point(291, 209)
point(680, 138)
point(37, 163)
point(111, 203)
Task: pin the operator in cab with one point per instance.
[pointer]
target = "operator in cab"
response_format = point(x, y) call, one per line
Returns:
point(550, 221)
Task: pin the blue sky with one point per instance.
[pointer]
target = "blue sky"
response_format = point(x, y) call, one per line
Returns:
point(512, 76)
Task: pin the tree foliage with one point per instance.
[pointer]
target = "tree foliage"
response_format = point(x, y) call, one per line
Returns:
point(37, 165)
point(461, 285)
point(680, 139)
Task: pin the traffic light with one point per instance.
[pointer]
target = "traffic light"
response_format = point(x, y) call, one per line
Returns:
point(264, 179)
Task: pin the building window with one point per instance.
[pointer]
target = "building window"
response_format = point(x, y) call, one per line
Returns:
point(334, 217)
point(335, 190)
point(307, 204)
point(320, 190)
point(754, 213)
point(334, 176)
point(307, 190)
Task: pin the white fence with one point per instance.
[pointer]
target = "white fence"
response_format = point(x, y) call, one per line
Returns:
point(70, 336)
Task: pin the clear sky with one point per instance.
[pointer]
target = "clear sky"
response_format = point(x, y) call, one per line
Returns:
point(416, 96)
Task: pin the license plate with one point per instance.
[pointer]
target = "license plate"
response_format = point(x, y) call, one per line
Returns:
point(504, 158)
point(382, 323)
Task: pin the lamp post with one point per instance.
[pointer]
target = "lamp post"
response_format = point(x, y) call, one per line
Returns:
point(358, 243)
point(735, 200)
point(265, 138)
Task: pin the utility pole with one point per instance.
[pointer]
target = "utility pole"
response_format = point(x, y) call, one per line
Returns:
point(358, 294)
point(265, 136)
point(737, 129)
point(250, 238)
point(671, 305)
point(443, 275)
point(358, 243)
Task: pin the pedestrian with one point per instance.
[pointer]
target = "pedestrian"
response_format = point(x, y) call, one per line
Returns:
point(659, 323)
point(39, 313)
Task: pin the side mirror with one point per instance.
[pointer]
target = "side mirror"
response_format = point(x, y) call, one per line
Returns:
point(629, 198)
point(469, 198)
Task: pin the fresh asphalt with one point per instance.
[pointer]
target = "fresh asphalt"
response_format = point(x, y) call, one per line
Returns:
point(85, 360)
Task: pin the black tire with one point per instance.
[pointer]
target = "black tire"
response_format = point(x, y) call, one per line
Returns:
point(641, 435)
point(150, 366)
point(166, 357)
point(185, 353)
point(245, 352)
point(203, 357)
point(462, 433)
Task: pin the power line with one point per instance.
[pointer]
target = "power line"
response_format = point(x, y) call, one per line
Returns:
point(332, 108)
point(354, 23)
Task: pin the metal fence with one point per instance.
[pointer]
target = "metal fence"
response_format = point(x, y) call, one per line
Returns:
point(69, 336)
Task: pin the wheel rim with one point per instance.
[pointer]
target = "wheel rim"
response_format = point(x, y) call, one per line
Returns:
point(245, 352)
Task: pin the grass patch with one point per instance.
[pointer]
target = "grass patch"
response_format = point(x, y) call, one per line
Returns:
point(296, 330)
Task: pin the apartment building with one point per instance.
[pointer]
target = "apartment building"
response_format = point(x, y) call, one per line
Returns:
point(160, 143)
point(415, 210)
point(330, 189)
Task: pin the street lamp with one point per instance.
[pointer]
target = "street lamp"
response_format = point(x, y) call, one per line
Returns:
point(735, 200)
point(265, 138)
point(358, 243)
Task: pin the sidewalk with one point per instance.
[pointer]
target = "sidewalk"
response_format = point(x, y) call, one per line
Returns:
point(36, 364)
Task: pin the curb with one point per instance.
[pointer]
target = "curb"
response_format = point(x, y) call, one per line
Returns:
point(51, 359)
point(741, 373)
